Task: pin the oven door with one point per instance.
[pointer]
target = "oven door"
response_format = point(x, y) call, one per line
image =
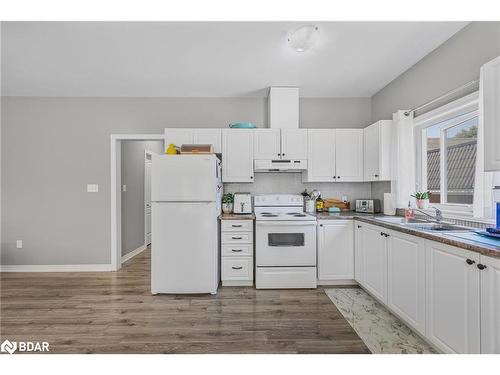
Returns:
point(285, 243)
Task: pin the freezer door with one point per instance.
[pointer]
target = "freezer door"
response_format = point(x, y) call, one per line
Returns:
point(184, 178)
point(184, 248)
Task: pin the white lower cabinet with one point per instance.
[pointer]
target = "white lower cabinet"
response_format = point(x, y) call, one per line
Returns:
point(237, 252)
point(406, 278)
point(452, 298)
point(449, 295)
point(335, 250)
point(490, 305)
point(373, 255)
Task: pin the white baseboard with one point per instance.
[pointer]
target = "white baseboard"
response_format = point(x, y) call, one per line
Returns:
point(133, 253)
point(56, 268)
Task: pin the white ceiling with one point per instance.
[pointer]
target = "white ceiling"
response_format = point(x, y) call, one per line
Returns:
point(209, 59)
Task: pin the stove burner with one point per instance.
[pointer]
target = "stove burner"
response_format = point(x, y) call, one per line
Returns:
point(294, 213)
point(299, 215)
point(266, 213)
point(269, 215)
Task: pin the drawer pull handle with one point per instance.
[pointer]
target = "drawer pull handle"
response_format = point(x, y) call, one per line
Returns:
point(236, 226)
point(481, 266)
point(470, 261)
point(237, 238)
point(236, 250)
point(237, 268)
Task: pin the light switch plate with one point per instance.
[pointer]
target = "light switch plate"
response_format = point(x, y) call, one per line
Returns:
point(92, 188)
point(19, 244)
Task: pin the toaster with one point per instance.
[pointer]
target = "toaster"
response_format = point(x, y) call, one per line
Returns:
point(369, 206)
point(242, 203)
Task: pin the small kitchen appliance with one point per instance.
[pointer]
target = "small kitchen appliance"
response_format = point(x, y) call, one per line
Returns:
point(369, 206)
point(242, 203)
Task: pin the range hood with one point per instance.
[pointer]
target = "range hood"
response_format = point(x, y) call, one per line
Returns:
point(279, 165)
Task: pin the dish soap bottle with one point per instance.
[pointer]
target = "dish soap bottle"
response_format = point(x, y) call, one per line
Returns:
point(409, 213)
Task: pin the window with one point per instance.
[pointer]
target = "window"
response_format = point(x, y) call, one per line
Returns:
point(449, 159)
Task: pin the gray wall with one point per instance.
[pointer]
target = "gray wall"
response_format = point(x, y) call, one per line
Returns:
point(455, 62)
point(53, 147)
point(133, 198)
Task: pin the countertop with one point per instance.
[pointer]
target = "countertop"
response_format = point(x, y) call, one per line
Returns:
point(237, 216)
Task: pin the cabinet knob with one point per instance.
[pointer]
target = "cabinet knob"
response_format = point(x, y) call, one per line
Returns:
point(481, 266)
point(251, 177)
point(359, 226)
point(321, 225)
point(338, 176)
point(375, 175)
point(279, 154)
point(470, 261)
point(283, 154)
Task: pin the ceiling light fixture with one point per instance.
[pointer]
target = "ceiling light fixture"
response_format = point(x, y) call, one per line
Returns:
point(303, 38)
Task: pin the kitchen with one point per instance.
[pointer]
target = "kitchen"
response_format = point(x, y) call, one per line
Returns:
point(286, 215)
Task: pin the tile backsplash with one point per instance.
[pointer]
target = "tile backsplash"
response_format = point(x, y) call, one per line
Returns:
point(291, 183)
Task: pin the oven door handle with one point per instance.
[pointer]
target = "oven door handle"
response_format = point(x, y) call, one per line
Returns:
point(284, 223)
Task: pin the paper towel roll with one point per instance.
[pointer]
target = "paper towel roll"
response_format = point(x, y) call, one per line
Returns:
point(389, 204)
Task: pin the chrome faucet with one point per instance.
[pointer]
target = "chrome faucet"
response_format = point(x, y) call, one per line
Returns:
point(439, 214)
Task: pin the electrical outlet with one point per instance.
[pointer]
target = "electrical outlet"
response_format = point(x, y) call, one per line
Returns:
point(19, 244)
point(124, 187)
point(92, 188)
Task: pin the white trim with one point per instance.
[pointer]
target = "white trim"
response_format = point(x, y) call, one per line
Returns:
point(56, 268)
point(115, 186)
point(133, 253)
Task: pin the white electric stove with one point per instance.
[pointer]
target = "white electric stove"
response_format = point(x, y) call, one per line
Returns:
point(285, 243)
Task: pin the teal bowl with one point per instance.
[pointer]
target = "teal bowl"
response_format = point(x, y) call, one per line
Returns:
point(242, 125)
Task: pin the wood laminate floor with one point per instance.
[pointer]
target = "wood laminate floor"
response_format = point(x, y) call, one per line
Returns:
point(114, 312)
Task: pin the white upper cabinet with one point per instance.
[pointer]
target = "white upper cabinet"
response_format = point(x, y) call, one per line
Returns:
point(209, 137)
point(267, 144)
point(377, 151)
point(452, 298)
point(321, 156)
point(178, 136)
point(490, 305)
point(406, 278)
point(283, 107)
point(489, 113)
point(237, 155)
point(349, 155)
point(335, 250)
point(294, 143)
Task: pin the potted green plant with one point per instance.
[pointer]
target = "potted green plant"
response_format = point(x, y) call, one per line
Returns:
point(422, 199)
point(227, 203)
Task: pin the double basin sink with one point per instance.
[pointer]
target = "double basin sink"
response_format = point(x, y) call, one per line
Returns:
point(422, 224)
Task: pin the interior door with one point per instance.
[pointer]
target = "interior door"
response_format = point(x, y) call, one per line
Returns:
point(294, 143)
point(321, 155)
point(267, 144)
point(349, 155)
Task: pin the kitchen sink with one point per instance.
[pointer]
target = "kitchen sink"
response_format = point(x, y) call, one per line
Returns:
point(435, 227)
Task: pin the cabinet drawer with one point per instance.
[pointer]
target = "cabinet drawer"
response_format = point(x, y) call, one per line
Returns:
point(237, 268)
point(237, 225)
point(237, 237)
point(237, 250)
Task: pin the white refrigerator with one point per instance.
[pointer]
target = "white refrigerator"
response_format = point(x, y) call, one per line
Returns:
point(186, 202)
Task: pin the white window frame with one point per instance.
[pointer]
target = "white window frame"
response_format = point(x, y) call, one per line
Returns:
point(467, 107)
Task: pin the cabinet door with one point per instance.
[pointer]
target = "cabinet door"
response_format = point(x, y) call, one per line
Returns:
point(321, 155)
point(349, 155)
point(283, 107)
point(452, 298)
point(294, 143)
point(237, 155)
point(489, 113)
point(371, 152)
point(375, 261)
point(358, 252)
point(267, 144)
point(490, 305)
point(208, 137)
point(178, 137)
point(335, 250)
point(406, 278)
